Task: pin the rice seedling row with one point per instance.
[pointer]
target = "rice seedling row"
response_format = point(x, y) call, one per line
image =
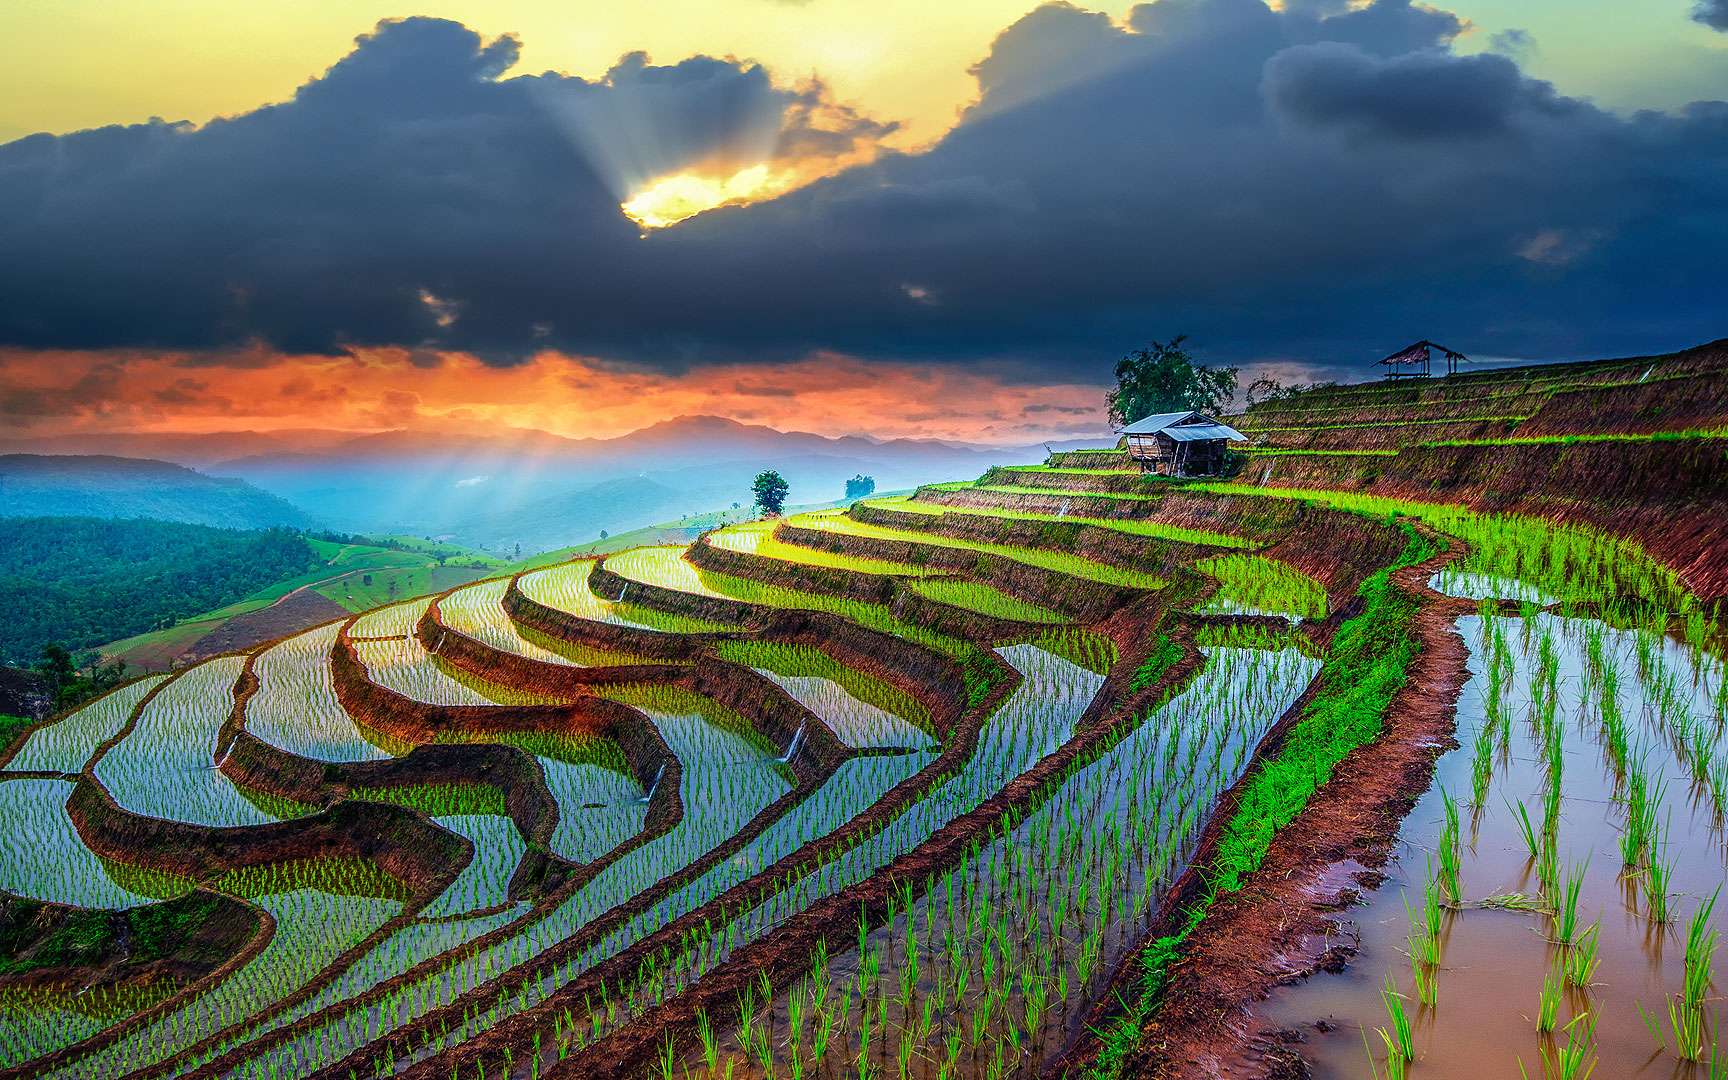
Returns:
point(1531, 928)
point(165, 766)
point(66, 745)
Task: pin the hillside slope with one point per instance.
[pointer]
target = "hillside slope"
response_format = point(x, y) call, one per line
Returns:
point(36, 485)
point(83, 581)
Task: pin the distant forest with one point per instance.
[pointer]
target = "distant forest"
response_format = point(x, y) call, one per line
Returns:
point(83, 582)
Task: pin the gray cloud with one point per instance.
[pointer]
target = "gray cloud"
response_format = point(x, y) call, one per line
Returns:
point(1712, 13)
point(1319, 184)
point(1421, 95)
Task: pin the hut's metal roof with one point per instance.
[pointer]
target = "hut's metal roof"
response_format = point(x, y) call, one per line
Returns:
point(1184, 427)
point(1201, 432)
point(1160, 421)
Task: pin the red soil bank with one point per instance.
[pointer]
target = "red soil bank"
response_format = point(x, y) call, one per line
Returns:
point(542, 677)
point(785, 952)
point(1096, 542)
point(1274, 929)
point(1081, 598)
point(403, 844)
point(1671, 497)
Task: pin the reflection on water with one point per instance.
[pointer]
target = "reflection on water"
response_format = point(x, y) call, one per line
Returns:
point(1493, 960)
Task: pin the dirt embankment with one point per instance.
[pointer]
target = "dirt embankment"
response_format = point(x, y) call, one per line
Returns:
point(1275, 929)
point(783, 953)
point(1339, 550)
point(524, 673)
point(400, 717)
point(1386, 436)
point(592, 634)
point(896, 593)
point(77, 950)
point(1081, 598)
point(1298, 412)
point(1090, 459)
point(1059, 505)
point(1677, 403)
point(932, 679)
point(1116, 482)
point(403, 844)
point(1670, 496)
point(1098, 543)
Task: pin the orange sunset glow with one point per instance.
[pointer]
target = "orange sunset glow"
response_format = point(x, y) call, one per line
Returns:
point(394, 388)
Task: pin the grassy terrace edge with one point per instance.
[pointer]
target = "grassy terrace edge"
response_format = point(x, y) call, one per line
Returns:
point(1368, 664)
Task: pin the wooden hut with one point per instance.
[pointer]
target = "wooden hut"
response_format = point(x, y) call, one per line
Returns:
point(1416, 361)
point(1180, 443)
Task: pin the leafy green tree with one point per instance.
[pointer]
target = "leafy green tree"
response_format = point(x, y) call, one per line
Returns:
point(1163, 378)
point(860, 486)
point(75, 680)
point(770, 489)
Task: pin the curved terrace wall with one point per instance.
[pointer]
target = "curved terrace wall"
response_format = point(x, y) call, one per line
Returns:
point(1670, 496)
point(405, 845)
point(1082, 598)
point(521, 672)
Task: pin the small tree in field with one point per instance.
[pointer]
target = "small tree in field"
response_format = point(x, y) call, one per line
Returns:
point(1164, 378)
point(770, 489)
point(860, 486)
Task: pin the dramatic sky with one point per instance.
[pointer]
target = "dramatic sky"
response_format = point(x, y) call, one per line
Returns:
point(891, 217)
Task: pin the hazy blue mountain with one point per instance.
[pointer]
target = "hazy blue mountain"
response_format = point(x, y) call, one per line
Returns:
point(36, 485)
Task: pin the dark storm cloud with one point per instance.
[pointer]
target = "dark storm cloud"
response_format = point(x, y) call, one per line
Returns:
point(408, 195)
point(1318, 183)
point(1712, 13)
point(1424, 95)
point(1171, 191)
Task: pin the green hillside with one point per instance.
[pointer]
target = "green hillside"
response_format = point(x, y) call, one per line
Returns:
point(78, 580)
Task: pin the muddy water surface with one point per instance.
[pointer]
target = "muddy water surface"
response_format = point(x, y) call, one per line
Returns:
point(1494, 959)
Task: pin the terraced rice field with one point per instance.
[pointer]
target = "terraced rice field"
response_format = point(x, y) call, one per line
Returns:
point(1057, 776)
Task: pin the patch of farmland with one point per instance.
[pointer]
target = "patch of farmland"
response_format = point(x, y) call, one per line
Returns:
point(478, 612)
point(565, 588)
point(484, 883)
point(165, 767)
point(295, 707)
point(726, 781)
point(1570, 899)
point(66, 745)
point(45, 859)
point(400, 663)
point(313, 928)
point(1016, 942)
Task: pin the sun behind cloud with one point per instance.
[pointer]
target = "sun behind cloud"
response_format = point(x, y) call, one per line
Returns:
point(674, 198)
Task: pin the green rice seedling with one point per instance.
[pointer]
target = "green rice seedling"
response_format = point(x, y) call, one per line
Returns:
point(1565, 918)
point(985, 600)
point(1397, 1035)
point(1551, 809)
point(1451, 851)
point(1427, 985)
point(1548, 1001)
point(1582, 959)
point(710, 1044)
point(1257, 584)
point(1575, 1059)
point(1482, 766)
point(1686, 1015)
point(1525, 828)
point(1658, 886)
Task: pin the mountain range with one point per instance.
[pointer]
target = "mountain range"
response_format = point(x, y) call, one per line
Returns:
point(34, 485)
point(491, 489)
